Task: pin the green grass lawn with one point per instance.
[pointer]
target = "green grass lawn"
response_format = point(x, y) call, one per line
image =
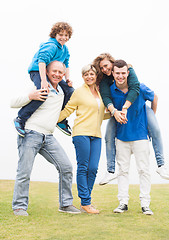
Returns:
point(45, 222)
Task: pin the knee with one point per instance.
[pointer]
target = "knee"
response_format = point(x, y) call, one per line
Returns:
point(67, 168)
point(23, 176)
point(93, 171)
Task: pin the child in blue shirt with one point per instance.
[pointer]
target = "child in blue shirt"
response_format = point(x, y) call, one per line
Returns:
point(53, 49)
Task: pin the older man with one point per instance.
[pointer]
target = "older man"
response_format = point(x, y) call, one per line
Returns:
point(39, 139)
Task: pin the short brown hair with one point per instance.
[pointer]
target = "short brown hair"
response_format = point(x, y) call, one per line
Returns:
point(96, 63)
point(60, 26)
point(120, 63)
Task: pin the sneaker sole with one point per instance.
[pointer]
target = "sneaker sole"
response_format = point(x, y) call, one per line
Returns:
point(63, 131)
point(83, 211)
point(119, 211)
point(166, 178)
point(146, 213)
point(104, 183)
point(69, 212)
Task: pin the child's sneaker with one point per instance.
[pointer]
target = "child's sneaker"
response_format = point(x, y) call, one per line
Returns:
point(19, 127)
point(64, 127)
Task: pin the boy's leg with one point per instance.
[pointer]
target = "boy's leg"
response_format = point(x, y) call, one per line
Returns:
point(110, 151)
point(63, 125)
point(123, 155)
point(26, 111)
point(141, 153)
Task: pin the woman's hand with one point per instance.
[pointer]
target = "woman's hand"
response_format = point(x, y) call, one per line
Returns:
point(40, 95)
point(120, 117)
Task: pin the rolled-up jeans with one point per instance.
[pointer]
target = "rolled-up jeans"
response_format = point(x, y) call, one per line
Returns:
point(154, 134)
point(28, 147)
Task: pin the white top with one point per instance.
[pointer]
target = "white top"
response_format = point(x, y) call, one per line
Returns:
point(45, 118)
point(98, 102)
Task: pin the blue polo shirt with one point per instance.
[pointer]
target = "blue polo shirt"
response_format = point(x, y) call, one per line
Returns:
point(136, 127)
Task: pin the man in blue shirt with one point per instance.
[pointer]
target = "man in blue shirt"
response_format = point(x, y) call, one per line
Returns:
point(132, 137)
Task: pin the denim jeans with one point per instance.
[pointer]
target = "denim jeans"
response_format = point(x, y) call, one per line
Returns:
point(154, 134)
point(88, 151)
point(26, 111)
point(110, 144)
point(50, 149)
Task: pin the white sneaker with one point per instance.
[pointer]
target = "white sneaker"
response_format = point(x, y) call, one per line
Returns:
point(147, 211)
point(163, 172)
point(121, 208)
point(108, 177)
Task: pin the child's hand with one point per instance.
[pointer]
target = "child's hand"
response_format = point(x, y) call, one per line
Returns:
point(40, 95)
point(45, 86)
point(69, 83)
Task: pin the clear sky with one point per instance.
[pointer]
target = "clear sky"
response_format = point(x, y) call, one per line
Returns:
point(136, 31)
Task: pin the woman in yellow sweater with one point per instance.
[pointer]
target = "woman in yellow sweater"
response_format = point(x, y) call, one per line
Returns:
point(86, 133)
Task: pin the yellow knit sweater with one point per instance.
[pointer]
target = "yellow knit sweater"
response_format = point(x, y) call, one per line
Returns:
point(89, 116)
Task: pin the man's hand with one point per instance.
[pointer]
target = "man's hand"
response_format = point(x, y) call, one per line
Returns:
point(40, 95)
point(120, 117)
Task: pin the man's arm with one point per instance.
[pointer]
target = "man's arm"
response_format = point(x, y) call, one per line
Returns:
point(22, 100)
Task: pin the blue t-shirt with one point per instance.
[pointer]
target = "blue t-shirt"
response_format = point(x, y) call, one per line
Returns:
point(136, 127)
point(48, 52)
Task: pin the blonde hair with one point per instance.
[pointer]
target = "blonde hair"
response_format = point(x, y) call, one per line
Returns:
point(87, 68)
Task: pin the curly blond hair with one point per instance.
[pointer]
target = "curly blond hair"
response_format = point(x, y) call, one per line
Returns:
point(61, 26)
point(96, 63)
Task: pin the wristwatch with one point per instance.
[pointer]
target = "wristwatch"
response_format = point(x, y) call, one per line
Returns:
point(125, 107)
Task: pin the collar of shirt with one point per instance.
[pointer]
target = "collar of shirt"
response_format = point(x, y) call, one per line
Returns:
point(59, 92)
point(117, 89)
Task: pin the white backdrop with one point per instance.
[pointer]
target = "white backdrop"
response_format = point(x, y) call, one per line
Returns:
point(136, 31)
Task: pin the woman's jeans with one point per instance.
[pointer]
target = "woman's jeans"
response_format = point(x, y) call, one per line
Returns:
point(154, 134)
point(88, 151)
point(26, 111)
point(46, 145)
